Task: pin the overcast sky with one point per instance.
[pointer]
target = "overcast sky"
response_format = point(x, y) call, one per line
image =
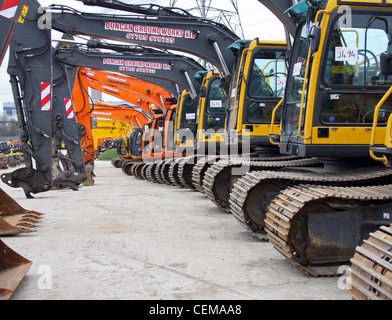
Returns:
point(257, 21)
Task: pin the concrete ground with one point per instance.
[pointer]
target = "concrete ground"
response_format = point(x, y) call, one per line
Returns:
point(125, 238)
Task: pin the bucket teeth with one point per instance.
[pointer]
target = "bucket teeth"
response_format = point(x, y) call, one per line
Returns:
point(14, 219)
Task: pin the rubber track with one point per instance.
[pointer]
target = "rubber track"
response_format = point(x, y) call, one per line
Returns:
point(213, 171)
point(137, 170)
point(290, 201)
point(371, 269)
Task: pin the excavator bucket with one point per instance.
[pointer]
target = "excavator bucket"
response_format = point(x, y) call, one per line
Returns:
point(13, 268)
point(14, 219)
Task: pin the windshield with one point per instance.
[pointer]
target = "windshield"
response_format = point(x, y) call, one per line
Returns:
point(216, 106)
point(354, 53)
point(267, 81)
point(350, 79)
point(217, 99)
point(188, 112)
point(268, 75)
point(353, 63)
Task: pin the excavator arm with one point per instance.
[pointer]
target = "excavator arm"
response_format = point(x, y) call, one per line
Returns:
point(147, 65)
point(133, 90)
point(41, 95)
point(146, 9)
point(30, 49)
point(145, 95)
point(278, 8)
point(119, 112)
point(152, 93)
point(203, 38)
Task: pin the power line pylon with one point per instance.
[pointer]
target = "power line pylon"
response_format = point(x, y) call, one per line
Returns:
point(206, 10)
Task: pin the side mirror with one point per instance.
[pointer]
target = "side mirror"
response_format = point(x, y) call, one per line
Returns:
point(386, 63)
point(314, 37)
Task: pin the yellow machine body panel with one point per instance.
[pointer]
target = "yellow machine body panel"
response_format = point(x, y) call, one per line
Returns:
point(185, 120)
point(331, 97)
point(257, 86)
point(211, 113)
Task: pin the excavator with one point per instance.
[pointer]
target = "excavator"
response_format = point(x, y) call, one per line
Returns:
point(371, 270)
point(181, 31)
point(221, 59)
point(224, 58)
point(159, 149)
point(168, 69)
point(33, 41)
point(121, 112)
point(256, 89)
point(317, 215)
point(107, 86)
point(106, 131)
point(146, 96)
point(113, 122)
point(206, 138)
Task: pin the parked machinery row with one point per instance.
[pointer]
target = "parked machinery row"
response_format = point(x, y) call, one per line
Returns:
point(318, 213)
point(299, 123)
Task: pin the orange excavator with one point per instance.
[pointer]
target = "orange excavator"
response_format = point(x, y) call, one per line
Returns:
point(148, 98)
point(160, 68)
point(122, 114)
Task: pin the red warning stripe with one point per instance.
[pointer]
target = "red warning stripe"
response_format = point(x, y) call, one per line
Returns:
point(45, 96)
point(69, 108)
point(8, 8)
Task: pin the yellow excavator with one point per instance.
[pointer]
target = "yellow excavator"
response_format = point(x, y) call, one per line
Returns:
point(105, 131)
point(317, 215)
point(257, 86)
point(371, 268)
point(199, 128)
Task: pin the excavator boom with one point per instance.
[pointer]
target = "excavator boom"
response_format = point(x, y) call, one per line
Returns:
point(186, 34)
point(144, 94)
point(148, 65)
point(278, 8)
point(119, 112)
point(146, 9)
